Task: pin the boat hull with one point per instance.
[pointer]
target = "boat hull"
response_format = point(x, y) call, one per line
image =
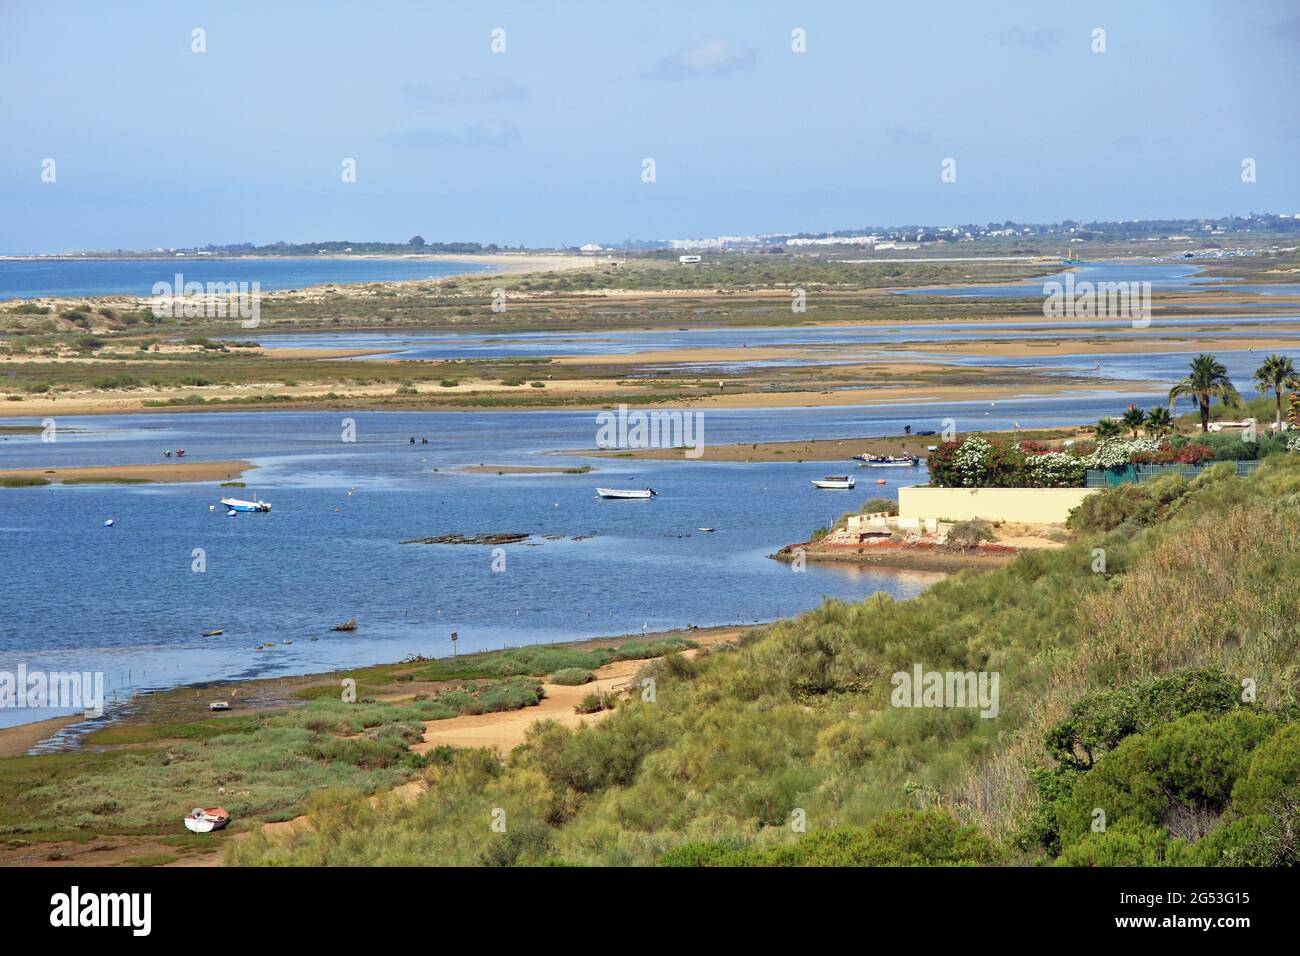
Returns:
point(636, 494)
point(248, 507)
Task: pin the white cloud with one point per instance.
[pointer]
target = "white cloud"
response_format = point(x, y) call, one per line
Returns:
point(709, 57)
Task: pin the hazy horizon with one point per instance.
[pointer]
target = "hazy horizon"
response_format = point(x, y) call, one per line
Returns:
point(155, 145)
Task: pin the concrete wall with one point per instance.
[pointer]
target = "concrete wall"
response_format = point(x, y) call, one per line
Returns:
point(1028, 505)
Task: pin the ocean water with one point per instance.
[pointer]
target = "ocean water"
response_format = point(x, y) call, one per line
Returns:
point(29, 279)
point(126, 601)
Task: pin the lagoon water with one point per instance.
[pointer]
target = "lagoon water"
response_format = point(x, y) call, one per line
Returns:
point(33, 278)
point(126, 601)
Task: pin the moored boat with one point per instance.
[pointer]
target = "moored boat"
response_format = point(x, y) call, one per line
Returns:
point(237, 504)
point(887, 461)
point(836, 483)
point(626, 492)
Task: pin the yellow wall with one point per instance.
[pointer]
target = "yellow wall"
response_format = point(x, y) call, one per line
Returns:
point(1028, 505)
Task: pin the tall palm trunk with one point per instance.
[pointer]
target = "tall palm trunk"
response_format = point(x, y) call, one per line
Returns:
point(1278, 392)
point(1205, 412)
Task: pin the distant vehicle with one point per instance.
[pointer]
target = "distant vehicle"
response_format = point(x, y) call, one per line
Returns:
point(925, 432)
point(836, 483)
point(640, 493)
point(688, 260)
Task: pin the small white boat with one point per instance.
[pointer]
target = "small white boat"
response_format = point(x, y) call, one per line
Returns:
point(626, 492)
point(205, 821)
point(887, 461)
point(237, 504)
point(836, 483)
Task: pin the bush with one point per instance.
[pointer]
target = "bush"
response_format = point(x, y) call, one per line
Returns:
point(1098, 722)
point(899, 838)
point(116, 382)
point(970, 534)
point(594, 703)
point(572, 676)
point(1135, 505)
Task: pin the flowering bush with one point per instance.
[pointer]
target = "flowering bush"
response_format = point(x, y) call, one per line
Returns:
point(979, 463)
point(1117, 452)
point(1053, 469)
point(1169, 455)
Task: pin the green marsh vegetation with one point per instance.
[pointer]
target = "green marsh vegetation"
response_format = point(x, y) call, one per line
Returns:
point(1136, 659)
point(263, 767)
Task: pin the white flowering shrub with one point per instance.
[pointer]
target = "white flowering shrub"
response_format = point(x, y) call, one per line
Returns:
point(970, 461)
point(1055, 469)
point(1117, 452)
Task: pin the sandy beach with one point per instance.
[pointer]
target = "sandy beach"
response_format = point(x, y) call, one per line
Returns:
point(172, 472)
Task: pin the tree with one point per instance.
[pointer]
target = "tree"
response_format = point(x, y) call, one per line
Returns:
point(1207, 380)
point(1275, 374)
point(1133, 419)
point(1107, 428)
point(416, 241)
point(1159, 421)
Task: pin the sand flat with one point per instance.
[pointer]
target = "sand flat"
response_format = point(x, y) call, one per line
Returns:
point(168, 472)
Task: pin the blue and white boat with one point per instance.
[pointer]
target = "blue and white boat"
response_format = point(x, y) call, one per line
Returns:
point(238, 505)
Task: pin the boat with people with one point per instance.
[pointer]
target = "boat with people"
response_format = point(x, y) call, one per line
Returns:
point(239, 505)
point(639, 493)
point(836, 483)
point(887, 461)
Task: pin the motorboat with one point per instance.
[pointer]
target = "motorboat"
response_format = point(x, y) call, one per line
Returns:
point(239, 505)
point(640, 493)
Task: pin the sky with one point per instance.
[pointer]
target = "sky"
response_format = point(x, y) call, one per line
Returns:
point(543, 142)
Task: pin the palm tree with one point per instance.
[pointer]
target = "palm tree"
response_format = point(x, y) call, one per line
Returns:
point(1207, 381)
point(1274, 375)
point(1159, 421)
point(1134, 418)
point(1107, 428)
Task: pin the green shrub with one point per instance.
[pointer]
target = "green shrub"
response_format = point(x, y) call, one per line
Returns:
point(572, 676)
point(899, 838)
point(1133, 505)
point(970, 534)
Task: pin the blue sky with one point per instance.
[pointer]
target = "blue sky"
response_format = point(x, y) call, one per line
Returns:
point(156, 145)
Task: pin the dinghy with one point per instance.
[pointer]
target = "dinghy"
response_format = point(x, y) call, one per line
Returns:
point(238, 505)
point(626, 492)
point(836, 483)
point(205, 821)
